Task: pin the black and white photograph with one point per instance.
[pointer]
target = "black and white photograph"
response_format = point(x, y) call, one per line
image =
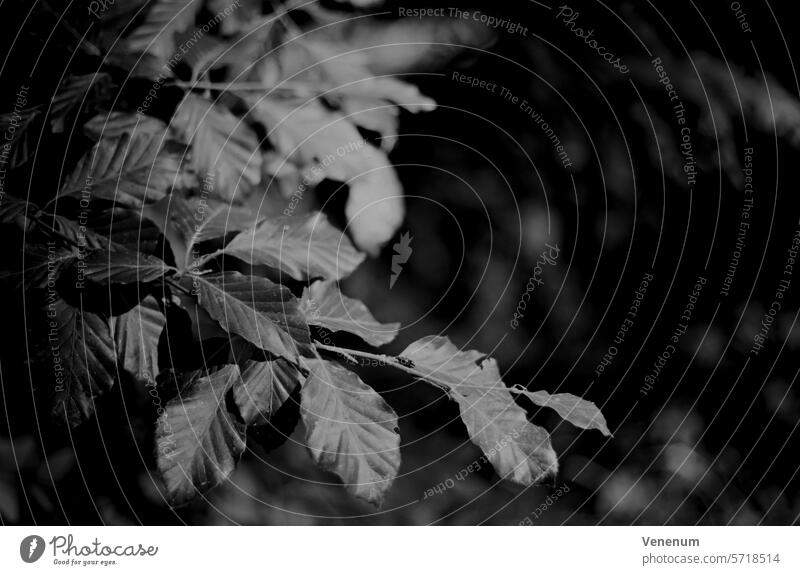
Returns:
point(307, 267)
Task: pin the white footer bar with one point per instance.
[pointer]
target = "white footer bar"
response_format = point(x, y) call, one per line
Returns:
point(399, 550)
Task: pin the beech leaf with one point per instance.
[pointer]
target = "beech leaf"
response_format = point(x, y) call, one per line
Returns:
point(350, 430)
point(410, 44)
point(375, 205)
point(324, 305)
point(517, 449)
point(188, 222)
point(222, 145)
point(304, 247)
point(136, 334)
point(316, 136)
point(264, 313)
point(75, 92)
point(13, 209)
point(126, 228)
point(198, 441)
point(41, 264)
point(25, 141)
point(116, 124)
point(123, 267)
point(309, 133)
point(579, 412)
point(128, 170)
point(265, 386)
point(87, 361)
point(156, 35)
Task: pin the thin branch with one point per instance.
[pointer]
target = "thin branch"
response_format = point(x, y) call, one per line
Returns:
point(178, 287)
point(297, 89)
point(50, 230)
point(222, 86)
point(350, 353)
point(399, 363)
point(81, 38)
point(205, 259)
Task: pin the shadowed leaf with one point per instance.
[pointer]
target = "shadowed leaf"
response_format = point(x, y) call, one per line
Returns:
point(86, 361)
point(129, 170)
point(23, 145)
point(136, 335)
point(198, 442)
point(76, 91)
point(264, 388)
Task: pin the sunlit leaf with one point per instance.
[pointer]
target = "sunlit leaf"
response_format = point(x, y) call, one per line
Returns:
point(156, 34)
point(302, 247)
point(517, 449)
point(350, 430)
point(313, 135)
point(122, 267)
point(241, 14)
point(324, 305)
point(188, 222)
point(375, 206)
point(115, 124)
point(222, 145)
point(265, 386)
point(577, 411)
point(413, 44)
point(264, 313)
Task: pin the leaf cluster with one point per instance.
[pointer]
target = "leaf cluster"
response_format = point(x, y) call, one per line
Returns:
point(155, 263)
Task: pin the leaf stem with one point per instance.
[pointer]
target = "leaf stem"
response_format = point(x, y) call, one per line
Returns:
point(293, 88)
point(50, 230)
point(223, 86)
point(179, 287)
point(404, 364)
point(384, 359)
point(205, 259)
point(81, 38)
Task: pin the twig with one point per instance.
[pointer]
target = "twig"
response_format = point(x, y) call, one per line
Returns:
point(205, 259)
point(406, 365)
point(178, 287)
point(82, 41)
point(292, 88)
point(50, 230)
